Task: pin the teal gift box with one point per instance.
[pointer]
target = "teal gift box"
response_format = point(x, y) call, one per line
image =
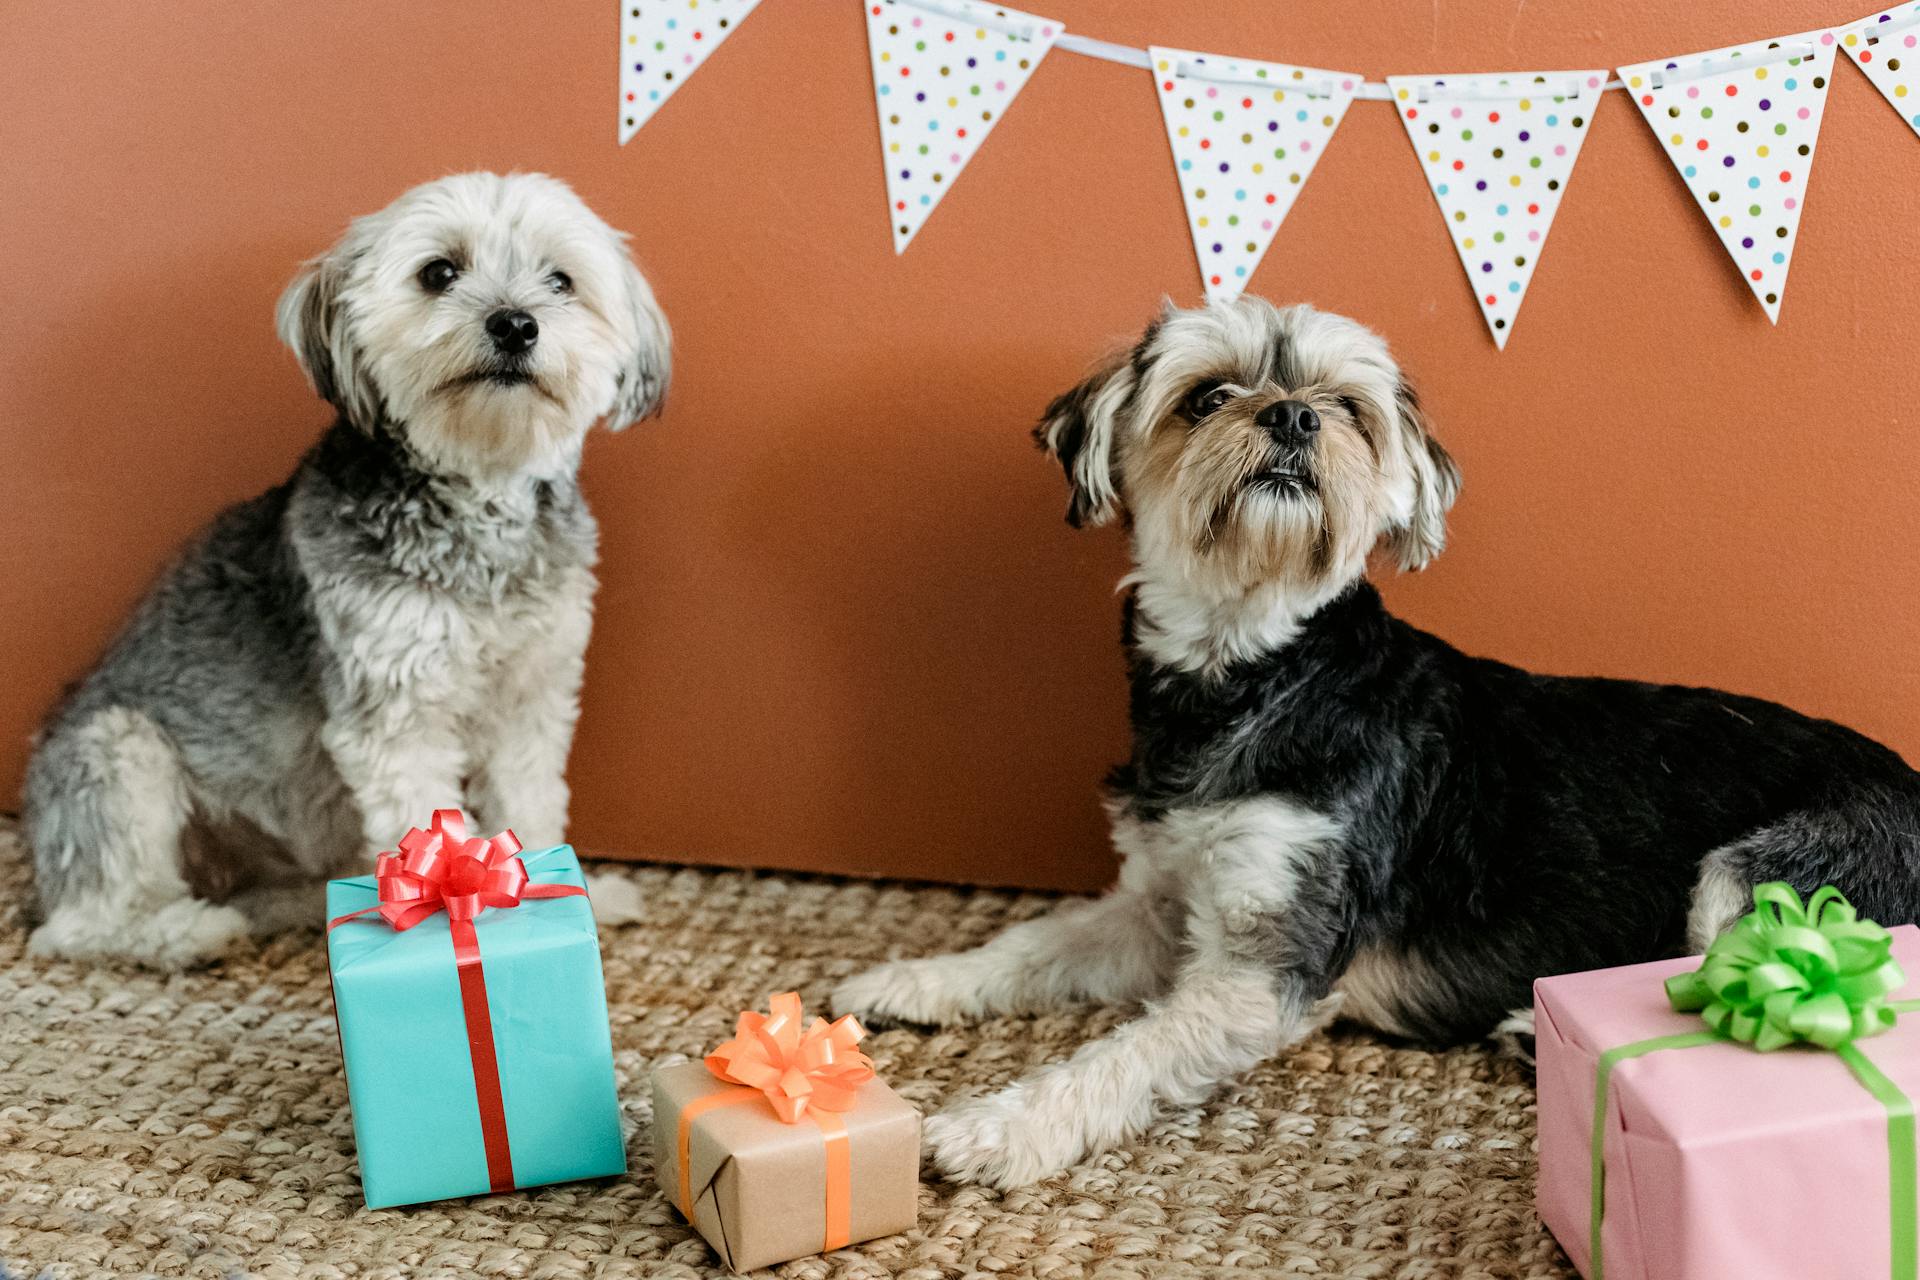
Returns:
point(412, 1019)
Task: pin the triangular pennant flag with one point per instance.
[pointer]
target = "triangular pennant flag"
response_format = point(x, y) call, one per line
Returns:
point(1497, 151)
point(662, 42)
point(1740, 125)
point(1245, 136)
point(1887, 47)
point(944, 72)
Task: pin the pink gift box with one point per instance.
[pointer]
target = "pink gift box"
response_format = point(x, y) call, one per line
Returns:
point(1722, 1163)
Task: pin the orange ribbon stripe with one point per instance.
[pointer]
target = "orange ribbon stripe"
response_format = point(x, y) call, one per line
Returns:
point(688, 1114)
point(833, 1132)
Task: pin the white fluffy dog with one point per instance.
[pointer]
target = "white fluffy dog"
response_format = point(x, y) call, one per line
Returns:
point(398, 627)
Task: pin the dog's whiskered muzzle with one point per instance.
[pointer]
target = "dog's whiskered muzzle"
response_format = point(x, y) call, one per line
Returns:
point(1284, 477)
point(1289, 422)
point(513, 331)
point(1292, 426)
point(511, 372)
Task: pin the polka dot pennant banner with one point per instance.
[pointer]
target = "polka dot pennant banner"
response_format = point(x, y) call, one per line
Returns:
point(1497, 151)
point(1245, 137)
point(944, 72)
point(662, 43)
point(1887, 47)
point(1740, 125)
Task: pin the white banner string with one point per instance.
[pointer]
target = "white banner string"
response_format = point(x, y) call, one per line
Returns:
point(1495, 191)
point(1128, 56)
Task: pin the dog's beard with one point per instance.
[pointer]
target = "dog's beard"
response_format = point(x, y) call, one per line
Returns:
point(468, 410)
point(499, 374)
point(1244, 511)
point(488, 429)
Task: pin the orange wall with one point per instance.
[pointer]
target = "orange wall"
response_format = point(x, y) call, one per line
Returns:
point(842, 624)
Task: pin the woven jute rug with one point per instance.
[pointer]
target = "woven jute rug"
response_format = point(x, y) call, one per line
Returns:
point(196, 1124)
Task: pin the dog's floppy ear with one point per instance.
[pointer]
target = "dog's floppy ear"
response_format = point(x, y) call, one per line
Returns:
point(1078, 432)
point(312, 321)
point(648, 366)
point(1436, 483)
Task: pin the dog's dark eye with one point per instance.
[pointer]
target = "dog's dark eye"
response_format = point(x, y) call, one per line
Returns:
point(438, 276)
point(561, 282)
point(1206, 398)
point(1352, 407)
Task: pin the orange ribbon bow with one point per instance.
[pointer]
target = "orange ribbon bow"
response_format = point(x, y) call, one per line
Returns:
point(794, 1065)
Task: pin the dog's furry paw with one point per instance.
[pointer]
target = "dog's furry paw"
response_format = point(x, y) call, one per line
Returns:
point(181, 934)
point(274, 909)
point(1514, 1035)
point(928, 993)
point(616, 899)
point(999, 1140)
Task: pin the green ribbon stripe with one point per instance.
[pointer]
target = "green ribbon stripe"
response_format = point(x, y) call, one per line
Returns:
point(1900, 1156)
point(1791, 973)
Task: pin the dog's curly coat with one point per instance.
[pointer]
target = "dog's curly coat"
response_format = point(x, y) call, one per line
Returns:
point(398, 627)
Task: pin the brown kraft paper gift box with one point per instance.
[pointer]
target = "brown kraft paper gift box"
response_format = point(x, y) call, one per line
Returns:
point(758, 1186)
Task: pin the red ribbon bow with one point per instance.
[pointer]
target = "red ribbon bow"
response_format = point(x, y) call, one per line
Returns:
point(444, 869)
point(796, 1066)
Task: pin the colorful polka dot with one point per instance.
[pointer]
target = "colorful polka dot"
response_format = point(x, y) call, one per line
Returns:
point(948, 56)
point(1511, 158)
point(1894, 72)
point(1752, 227)
point(678, 48)
point(1261, 151)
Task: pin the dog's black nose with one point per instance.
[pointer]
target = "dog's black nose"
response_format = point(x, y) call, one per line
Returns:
point(513, 331)
point(1289, 418)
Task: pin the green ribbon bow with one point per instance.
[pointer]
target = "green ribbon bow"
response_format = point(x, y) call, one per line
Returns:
point(1792, 973)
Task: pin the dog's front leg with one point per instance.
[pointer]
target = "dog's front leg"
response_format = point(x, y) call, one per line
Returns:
point(395, 655)
point(1117, 948)
point(399, 769)
point(1259, 938)
point(1223, 1017)
point(525, 728)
